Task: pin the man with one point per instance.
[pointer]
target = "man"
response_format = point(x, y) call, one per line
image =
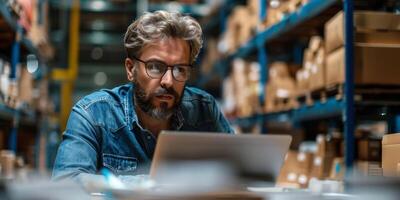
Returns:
point(117, 129)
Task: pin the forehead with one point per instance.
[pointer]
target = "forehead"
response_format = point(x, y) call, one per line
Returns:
point(169, 50)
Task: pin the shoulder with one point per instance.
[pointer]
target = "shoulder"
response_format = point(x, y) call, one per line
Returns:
point(112, 97)
point(196, 94)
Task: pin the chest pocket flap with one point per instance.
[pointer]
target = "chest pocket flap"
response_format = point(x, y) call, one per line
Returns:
point(120, 164)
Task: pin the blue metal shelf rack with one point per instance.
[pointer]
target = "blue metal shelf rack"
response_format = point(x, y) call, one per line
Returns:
point(15, 115)
point(332, 107)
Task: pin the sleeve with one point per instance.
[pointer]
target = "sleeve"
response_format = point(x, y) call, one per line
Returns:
point(221, 123)
point(78, 151)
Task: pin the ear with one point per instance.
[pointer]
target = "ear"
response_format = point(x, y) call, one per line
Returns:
point(129, 67)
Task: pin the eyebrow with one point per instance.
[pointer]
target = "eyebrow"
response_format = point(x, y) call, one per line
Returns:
point(158, 60)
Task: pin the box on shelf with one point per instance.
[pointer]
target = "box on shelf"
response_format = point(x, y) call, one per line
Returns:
point(295, 171)
point(7, 163)
point(321, 166)
point(371, 27)
point(373, 64)
point(368, 168)
point(280, 88)
point(317, 71)
point(390, 154)
point(25, 87)
point(302, 81)
point(369, 149)
point(242, 24)
point(246, 99)
point(337, 169)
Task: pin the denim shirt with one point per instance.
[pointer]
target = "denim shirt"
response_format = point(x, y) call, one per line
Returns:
point(103, 131)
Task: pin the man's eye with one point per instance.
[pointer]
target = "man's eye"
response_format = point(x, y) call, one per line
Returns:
point(181, 69)
point(155, 67)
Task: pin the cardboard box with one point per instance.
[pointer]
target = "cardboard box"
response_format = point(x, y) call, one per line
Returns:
point(296, 169)
point(302, 81)
point(377, 64)
point(321, 166)
point(373, 64)
point(25, 87)
point(369, 149)
point(335, 67)
point(337, 169)
point(364, 21)
point(368, 168)
point(317, 75)
point(390, 154)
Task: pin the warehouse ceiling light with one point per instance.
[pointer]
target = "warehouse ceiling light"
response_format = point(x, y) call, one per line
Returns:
point(100, 78)
point(98, 5)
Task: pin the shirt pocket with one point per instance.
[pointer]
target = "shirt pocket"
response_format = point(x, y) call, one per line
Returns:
point(120, 165)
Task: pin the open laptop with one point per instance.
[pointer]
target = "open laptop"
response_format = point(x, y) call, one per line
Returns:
point(254, 156)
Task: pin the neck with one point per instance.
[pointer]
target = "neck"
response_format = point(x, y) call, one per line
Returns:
point(155, 126)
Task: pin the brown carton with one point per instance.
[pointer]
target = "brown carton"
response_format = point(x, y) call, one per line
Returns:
point(373, 64)
point(390, 154)
point(369, 149)
point(364, 21)
point(317, 75)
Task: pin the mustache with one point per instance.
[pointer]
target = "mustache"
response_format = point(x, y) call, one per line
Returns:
point(163, 91)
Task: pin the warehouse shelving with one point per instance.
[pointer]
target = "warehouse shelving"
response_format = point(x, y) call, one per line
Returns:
point(15, 50)
point(315, 13)
point(17, 29)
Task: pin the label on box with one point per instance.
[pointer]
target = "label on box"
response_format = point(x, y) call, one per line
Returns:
point(301, 157)
point(292, 176)
point(303, 179)
point(317, 161)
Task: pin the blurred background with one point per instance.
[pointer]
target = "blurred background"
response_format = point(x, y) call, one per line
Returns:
point(324, 71)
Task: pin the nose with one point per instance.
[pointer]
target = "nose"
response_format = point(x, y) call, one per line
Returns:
point(167, 79)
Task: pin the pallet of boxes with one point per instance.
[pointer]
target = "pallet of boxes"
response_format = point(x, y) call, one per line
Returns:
point(324, 162)
point(242, 89)
point(390, 152)
point(279, 10)
point(280, 89)
point(311, 79)
point(376, 49)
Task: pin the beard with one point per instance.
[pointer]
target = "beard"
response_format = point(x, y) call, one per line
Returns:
point(144, 102)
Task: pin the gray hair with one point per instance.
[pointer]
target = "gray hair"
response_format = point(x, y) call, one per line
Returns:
point(153, 27)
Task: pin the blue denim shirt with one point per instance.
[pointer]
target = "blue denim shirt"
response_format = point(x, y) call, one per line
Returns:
point(103, 131)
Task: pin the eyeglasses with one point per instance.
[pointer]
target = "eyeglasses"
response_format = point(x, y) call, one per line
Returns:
point(156, 69)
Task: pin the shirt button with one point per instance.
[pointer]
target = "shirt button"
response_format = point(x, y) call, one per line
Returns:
point(148, 137)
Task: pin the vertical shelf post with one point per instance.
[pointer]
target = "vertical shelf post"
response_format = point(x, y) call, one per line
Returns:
point(349, 119)
point(15, 58)
point(262, 56)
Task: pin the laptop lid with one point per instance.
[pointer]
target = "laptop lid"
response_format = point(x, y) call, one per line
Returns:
point(254, 156)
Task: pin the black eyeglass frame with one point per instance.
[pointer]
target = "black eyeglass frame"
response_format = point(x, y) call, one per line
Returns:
point(168, 66)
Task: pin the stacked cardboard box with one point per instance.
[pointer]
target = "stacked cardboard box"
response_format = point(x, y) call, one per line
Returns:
point(312, 75)
point(280, 88)
point(390, 155)
point(376, 49)
point(241, 26)
point(277, 12)
point(242, 89)
point(295, 171)
point(328, 149)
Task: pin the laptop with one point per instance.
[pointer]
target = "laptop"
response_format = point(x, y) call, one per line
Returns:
point(252, 156)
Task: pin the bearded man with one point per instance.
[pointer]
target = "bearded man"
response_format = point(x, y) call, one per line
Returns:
point(117, 129)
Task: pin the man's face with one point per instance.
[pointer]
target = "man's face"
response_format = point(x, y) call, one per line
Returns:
point(159, 98)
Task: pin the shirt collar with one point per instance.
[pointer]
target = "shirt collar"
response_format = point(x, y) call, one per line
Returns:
point(131, 116)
